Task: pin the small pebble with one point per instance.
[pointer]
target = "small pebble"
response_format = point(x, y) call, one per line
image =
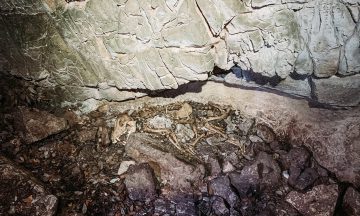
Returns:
point(112, 181)
point(228, 167)
point(285, 174)
point(124, 166)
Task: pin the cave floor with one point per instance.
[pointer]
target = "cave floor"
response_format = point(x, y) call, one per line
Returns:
point(181, 159)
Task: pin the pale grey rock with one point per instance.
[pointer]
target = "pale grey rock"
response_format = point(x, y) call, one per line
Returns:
point(228, 167)
point(255, 139)
point(159, 122)
point(295, 87)
point(124, 166)
point(325, 26)
point(350, 60)
point(184, 133)
point(303, 63)
point(263, 3)
point(116, 50)
point(336, 90)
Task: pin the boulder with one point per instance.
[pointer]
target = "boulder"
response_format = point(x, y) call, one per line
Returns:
point(36, 125)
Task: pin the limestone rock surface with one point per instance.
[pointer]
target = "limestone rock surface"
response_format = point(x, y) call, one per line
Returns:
point(117, 50)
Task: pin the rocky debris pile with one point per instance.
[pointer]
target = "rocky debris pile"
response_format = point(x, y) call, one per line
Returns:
point(21, 194)
point(182, 159)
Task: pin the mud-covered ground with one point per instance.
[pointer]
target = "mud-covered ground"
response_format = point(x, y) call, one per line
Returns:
point(181, 159)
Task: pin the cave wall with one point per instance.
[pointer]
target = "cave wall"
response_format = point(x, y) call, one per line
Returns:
point(121, 49)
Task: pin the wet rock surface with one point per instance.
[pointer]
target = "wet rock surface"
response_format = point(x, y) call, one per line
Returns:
point(195, 159)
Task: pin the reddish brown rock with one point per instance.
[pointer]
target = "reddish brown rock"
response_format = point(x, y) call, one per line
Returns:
point(320, 201)
point(36, 125)
point(351, 202)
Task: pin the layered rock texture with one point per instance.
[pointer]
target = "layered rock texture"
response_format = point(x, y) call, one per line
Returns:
point(118, 49)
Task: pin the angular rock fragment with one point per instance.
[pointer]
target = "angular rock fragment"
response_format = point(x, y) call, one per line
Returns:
point(184, 133)
point(140, 183)
point(304, 180)
point(297, 158)
point(172, 171)
point(319, 201)
point(265, 172)
point(245, 125)
point(164, 207)
point(296, 161)
point(220, 186)
point(37, 125)
point(351, 202)
point(21, 194)
point(215, 168)
point(265, 133)
point(218, 206)
point(124, 166)
point(185, 207)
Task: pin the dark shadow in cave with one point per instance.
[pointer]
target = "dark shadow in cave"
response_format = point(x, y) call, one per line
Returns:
point(256, 81)
point(258, 78)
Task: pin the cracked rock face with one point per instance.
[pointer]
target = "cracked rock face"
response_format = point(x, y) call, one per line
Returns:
point(108, 49)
